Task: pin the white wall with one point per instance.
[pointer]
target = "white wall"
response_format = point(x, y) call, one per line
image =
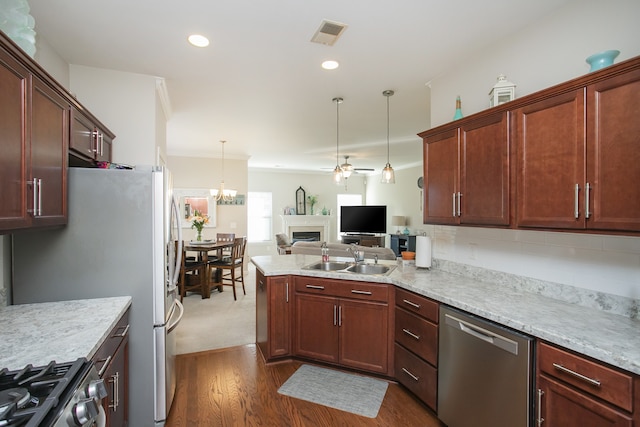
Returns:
point(547, 53)
point(127, 104)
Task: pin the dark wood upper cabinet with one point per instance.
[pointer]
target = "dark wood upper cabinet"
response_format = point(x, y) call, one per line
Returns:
point(466, 172)
point(564, 158)
point(613, 153)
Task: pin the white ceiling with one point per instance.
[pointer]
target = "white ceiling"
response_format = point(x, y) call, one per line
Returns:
point(259, 85)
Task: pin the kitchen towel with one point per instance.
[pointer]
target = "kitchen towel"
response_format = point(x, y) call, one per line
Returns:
point(423, 251)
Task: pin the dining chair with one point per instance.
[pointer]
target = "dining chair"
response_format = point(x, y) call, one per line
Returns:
point(226, 238)
point(229, 267)
point(192, 274)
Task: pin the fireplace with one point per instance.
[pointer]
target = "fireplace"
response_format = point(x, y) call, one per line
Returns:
point(306, 236)
point(305, 227)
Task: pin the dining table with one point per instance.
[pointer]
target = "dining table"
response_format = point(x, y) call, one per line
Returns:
point(204, 248)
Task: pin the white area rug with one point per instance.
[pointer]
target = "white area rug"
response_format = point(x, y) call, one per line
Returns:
point(348, 392)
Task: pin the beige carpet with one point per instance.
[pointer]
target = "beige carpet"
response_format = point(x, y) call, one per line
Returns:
point(219, 321)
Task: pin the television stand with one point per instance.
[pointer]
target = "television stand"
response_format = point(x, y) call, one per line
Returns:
point(364, 239)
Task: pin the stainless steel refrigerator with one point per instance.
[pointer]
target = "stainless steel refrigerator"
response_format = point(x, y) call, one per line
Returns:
point(119, 240)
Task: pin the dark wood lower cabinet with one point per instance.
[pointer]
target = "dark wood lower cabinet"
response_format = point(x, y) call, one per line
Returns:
point(576, 391)
point(112, 362)
point(273, 316)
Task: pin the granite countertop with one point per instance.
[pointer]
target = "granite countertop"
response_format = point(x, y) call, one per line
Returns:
point(61, 331)
point(606, 336)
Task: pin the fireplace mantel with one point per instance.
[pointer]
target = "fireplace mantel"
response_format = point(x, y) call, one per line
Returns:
point(321, 223)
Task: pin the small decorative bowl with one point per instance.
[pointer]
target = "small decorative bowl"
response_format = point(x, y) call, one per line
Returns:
point(602, 59)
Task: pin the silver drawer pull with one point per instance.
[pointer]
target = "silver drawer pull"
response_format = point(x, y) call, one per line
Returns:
point(412, 304)
point(315, 287)
point(355, 291)
point(411, 334)
point(105, 366)
point(410, 374)
point(123, 333)
point(577, 375)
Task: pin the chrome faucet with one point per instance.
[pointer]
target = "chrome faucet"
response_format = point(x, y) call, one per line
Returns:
point(375, 258)
point(357, 254)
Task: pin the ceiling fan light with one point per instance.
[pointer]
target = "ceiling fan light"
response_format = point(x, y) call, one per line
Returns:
point(388, 175)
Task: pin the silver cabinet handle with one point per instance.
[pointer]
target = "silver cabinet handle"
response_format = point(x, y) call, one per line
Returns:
point(454, 204)
point(39, 197)
point(577, 375)
point(587, 191)
point(287, 290)
point(115, 380)
point(355, 291)
point(335, 315)
point(34, 185)
point(339, 315)
point(576, 211)
point(411, 303)
point(540, 420)
point(315, 287)
point(411, 334)
point(410, 374)
point(459, 206)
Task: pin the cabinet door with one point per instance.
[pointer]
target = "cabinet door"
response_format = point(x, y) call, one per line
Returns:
point(440, 178)
point(613, 153)
point(563, 406)
point(279, 317)
point(484, 171)
point(49, 151)
point(83, 139)
point(116, 378)
point(550, 145)
point(364, 335)
point(14, 83)
point(316, 334)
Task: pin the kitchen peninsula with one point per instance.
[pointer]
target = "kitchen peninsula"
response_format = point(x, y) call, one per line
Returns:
point(602, 327)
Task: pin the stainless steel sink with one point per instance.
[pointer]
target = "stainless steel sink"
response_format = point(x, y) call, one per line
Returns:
point(327, 266)
point(369, 268)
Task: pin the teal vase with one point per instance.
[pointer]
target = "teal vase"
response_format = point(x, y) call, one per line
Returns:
point(602, 59)
point(458, 113)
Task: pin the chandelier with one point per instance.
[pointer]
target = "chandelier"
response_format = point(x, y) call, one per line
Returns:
point(226, 195)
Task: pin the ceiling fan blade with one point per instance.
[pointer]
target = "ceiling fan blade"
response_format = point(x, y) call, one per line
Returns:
point(364, 169)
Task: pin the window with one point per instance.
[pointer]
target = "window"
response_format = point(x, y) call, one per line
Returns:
point(259, 216)
point(347, 200)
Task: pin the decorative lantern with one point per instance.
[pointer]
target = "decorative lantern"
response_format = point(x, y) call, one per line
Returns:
point(503, 91)
point(301, 202)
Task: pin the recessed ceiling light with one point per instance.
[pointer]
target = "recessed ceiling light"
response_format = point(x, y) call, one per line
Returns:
point(198, 40)
point(330, 65)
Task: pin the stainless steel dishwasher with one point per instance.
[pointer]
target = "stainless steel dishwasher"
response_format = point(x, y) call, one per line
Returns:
point(485, 373)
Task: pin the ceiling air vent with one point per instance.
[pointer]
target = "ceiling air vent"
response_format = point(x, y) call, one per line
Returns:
point(329, 32)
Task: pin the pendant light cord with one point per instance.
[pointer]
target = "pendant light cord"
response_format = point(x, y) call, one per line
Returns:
point(388, 95)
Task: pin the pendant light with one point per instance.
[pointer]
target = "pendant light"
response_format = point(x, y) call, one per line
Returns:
point(388, 176)
point(337, 172)
point(226, 195)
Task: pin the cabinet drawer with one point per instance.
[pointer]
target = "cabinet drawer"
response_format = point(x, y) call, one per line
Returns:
point(416, 375)
point(418, 335)
point(112, 342)
point(417, 304)
point(343, 288)
point(615, 387)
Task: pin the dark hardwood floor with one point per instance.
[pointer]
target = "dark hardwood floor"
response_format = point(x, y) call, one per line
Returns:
point(234, 387)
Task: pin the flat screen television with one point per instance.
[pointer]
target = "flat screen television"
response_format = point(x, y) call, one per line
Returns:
point(363, 219)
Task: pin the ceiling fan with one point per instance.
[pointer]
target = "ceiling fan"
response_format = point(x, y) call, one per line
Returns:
point(348, 169)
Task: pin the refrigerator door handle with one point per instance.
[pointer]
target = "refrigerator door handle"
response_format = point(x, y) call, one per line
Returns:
point(172, 326)
point(178, 258)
